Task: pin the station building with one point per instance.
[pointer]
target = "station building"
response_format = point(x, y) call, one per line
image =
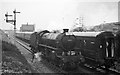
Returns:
point(27, 28)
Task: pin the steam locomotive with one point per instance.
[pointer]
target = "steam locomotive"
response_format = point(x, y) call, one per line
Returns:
point(68, 49)
point(58, 47)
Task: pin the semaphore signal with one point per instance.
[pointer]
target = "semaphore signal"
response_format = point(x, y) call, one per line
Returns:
point(12, 21)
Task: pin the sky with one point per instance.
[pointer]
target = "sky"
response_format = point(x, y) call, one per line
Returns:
point(58, 14)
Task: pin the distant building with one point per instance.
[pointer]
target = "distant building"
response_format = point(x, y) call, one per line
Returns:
point(27, 28)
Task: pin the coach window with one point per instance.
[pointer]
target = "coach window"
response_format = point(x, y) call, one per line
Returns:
point(109, 47)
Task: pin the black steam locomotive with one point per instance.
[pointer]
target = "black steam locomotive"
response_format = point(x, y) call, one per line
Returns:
point(70, 49)
point(58, 47)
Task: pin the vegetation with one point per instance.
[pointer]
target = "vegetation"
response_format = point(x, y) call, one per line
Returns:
point(115, 26)
point(13, 61)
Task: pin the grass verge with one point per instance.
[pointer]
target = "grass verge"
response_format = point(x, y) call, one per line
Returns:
point(13, 61)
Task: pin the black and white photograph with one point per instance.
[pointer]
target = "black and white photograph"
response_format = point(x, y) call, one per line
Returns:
point(60, 37)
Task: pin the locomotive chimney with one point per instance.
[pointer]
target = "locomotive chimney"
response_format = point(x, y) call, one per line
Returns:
point(65, 30)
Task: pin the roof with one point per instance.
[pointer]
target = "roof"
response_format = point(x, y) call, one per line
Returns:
point(25, 32)
point(27, 28)
point(92, 34)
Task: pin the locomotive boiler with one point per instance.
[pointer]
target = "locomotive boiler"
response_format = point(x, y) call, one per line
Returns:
point(58, 47)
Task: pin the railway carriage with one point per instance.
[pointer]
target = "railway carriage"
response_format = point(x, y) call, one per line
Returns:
point(96, 46)
point(117, 44)
point(25, 36)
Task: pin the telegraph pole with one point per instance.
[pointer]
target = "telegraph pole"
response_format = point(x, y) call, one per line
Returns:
point(15, 21)
point(81, 21)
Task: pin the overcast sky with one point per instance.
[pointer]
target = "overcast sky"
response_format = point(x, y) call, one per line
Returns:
point(58, 14)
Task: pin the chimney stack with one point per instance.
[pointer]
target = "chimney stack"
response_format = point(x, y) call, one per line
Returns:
point(65, 30)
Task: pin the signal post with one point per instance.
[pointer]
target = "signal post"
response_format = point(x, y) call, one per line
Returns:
point(12, 21)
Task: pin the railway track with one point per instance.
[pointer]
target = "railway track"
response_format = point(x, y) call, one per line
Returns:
point(51, 65)
point(25, 46)
point(102, 70)
point(48, 64)
point(87, 68)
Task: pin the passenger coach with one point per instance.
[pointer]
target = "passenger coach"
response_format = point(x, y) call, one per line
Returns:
point(96, 46)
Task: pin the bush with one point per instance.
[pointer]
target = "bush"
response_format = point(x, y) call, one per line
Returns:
point(13, 61)
point(8, 46)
